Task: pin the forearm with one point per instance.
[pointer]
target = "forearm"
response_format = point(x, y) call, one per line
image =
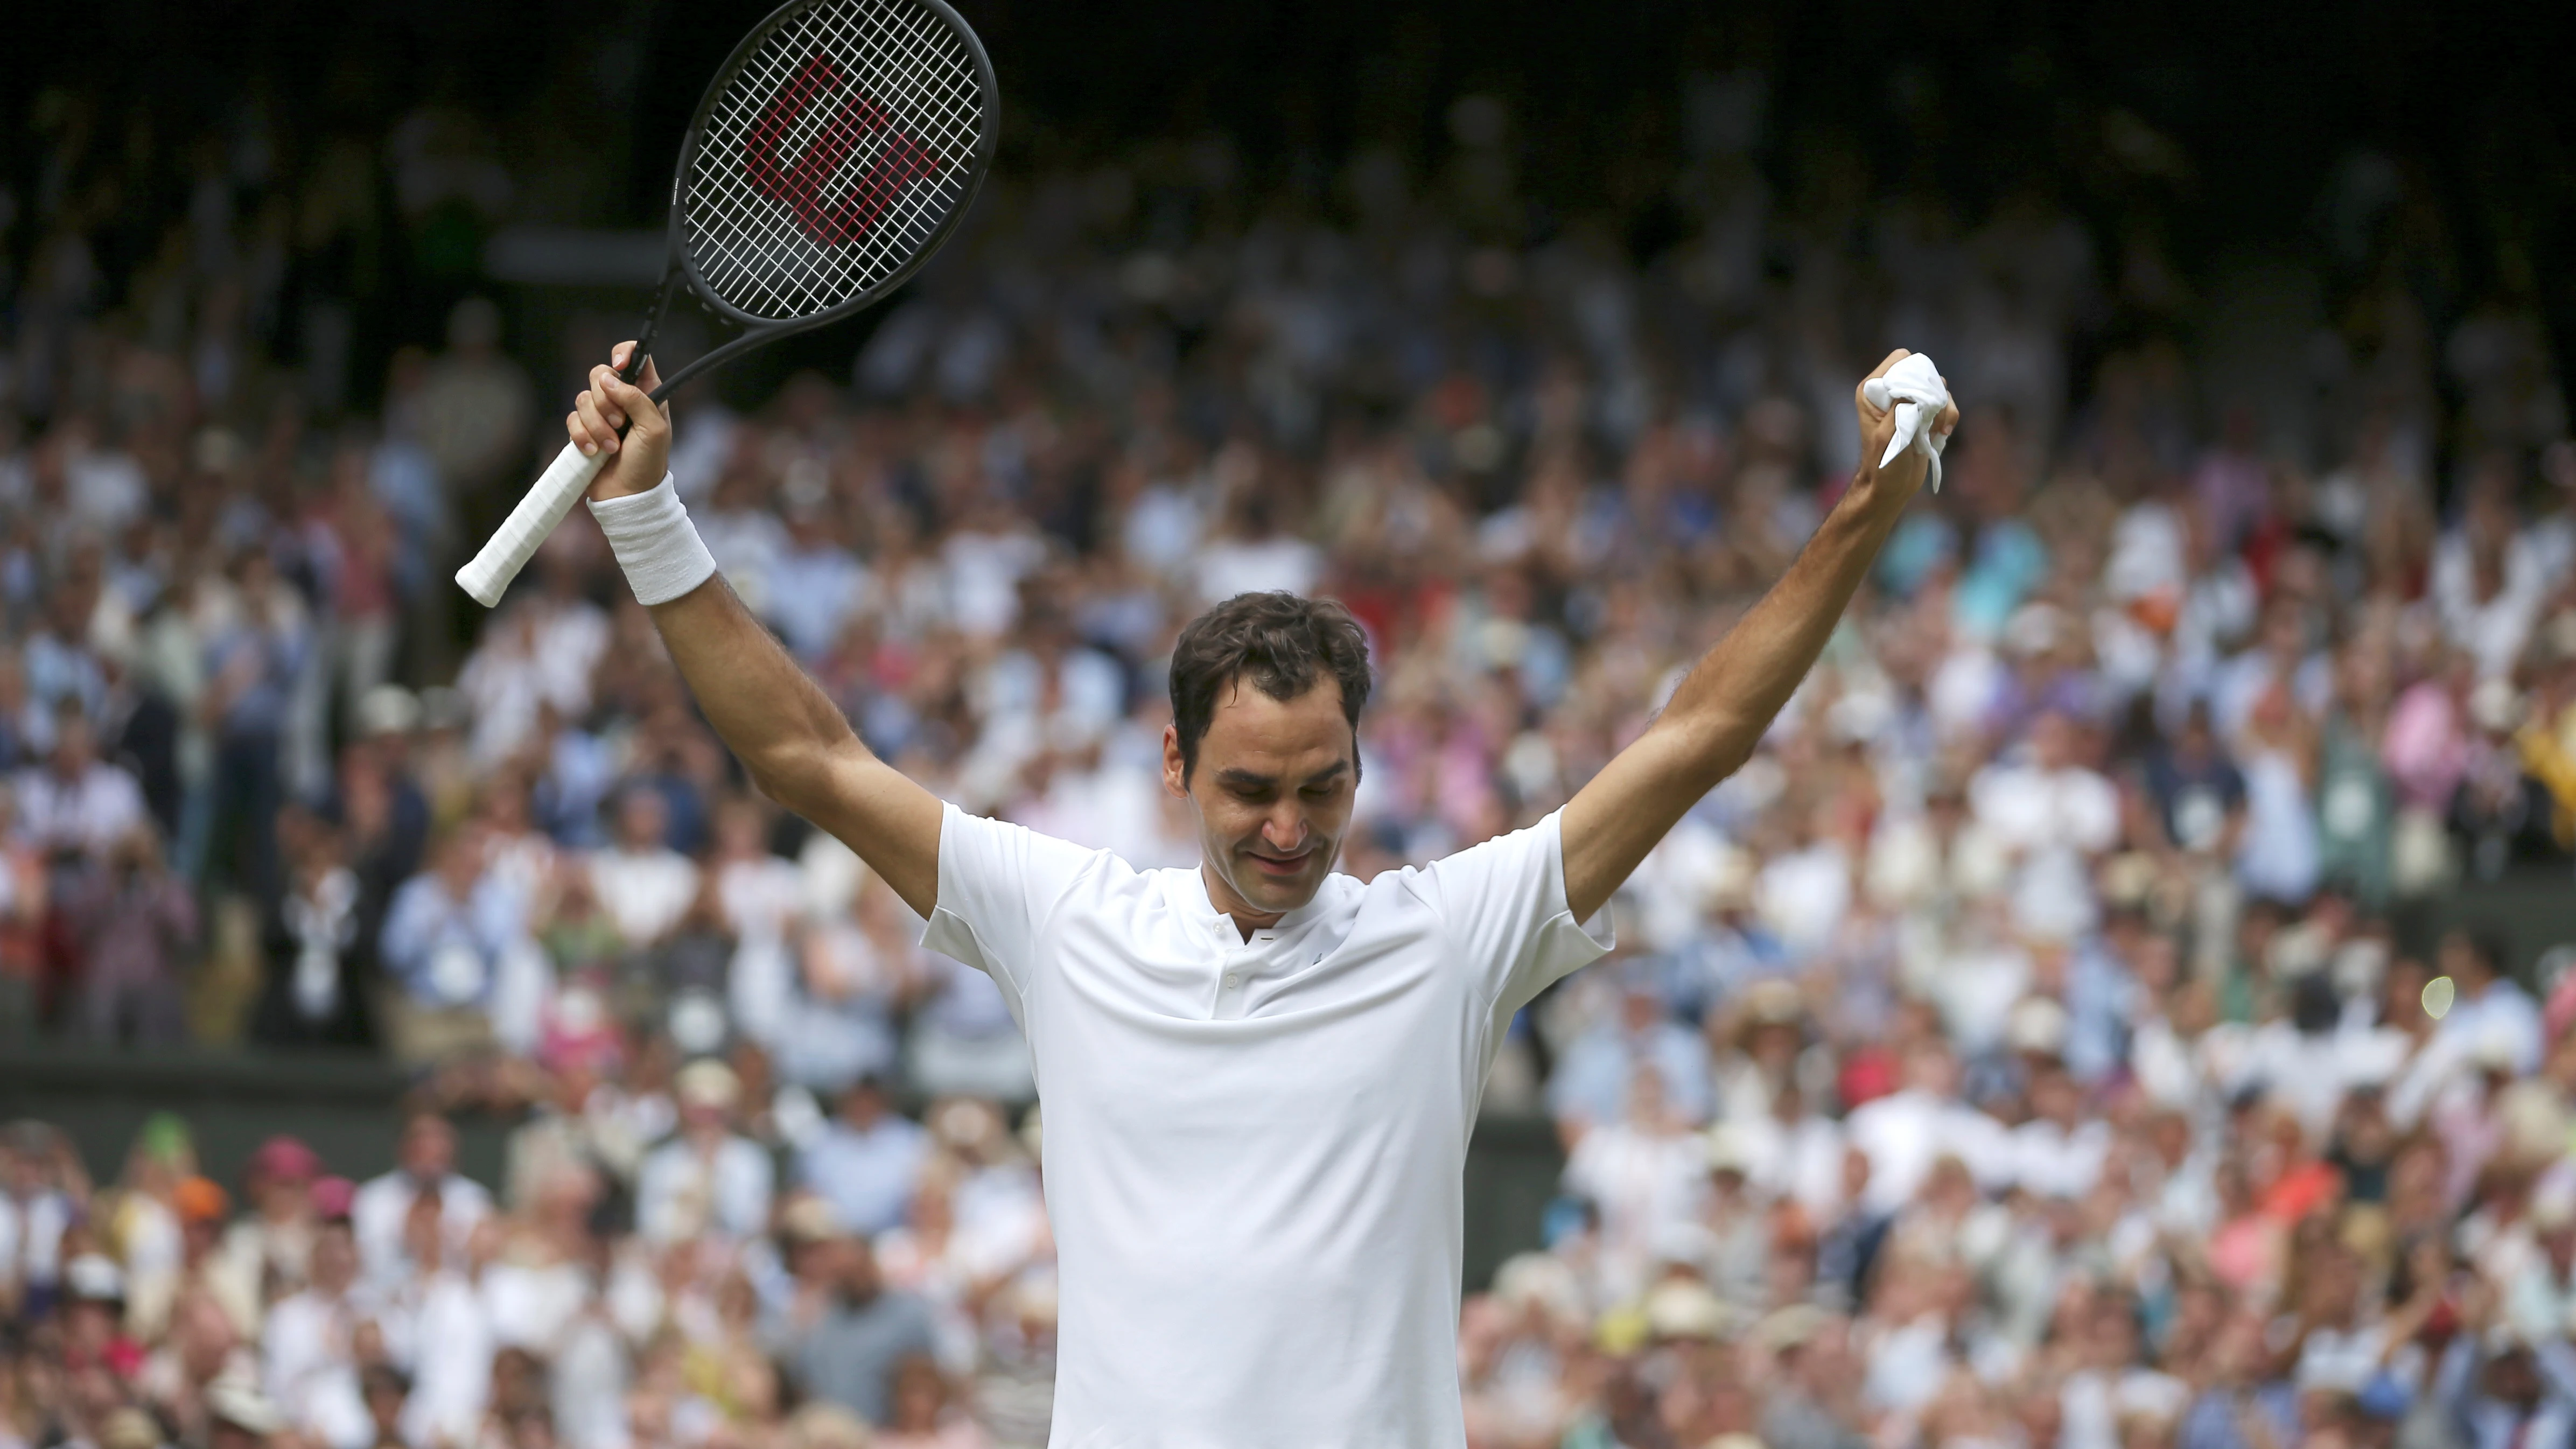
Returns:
point(1730, 697)
point(774, 718)
point(798, 748)
point(795, 743)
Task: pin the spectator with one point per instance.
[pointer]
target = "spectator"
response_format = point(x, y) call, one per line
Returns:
point(383, 1208)
point(474, 407)
point(850, 1354)
point(134, 921)
point(452, 935)
point(925, 1413)
point(255, 655)
point(644, 885)
point(267, 1252)
point(310, 1345)
point(1979, 1073)
point(75, 801)
point(1593, 1082)
point(706, 1179)
point(867, 1163)
point(40, 1195)
point(317, 949)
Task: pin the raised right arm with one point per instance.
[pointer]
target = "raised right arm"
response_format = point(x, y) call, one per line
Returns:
point(777, 721)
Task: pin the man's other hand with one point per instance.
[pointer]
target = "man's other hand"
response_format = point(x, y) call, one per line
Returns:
point(637, 461)
point(1903, 477)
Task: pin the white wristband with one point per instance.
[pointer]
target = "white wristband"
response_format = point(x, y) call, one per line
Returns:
point(655, 542)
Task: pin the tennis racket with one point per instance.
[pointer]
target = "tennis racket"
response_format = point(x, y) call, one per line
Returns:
point(836, 150)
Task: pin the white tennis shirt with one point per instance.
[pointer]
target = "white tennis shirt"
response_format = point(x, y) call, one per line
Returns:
point(1254, 1149)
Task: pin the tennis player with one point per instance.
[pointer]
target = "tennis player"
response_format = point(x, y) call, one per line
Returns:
point(1259, 1076)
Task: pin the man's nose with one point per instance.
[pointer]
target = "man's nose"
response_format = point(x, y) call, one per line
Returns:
point(1284, 828)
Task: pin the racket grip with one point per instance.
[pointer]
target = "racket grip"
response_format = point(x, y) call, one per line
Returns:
point(487, 576)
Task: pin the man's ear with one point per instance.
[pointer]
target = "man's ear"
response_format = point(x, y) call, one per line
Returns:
point(1176, 769)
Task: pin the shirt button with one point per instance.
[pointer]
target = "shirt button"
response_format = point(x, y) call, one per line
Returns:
point(1231, 982)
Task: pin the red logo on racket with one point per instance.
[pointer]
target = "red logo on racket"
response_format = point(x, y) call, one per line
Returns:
point(799, 184)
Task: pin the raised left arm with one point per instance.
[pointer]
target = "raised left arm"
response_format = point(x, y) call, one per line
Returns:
point(1722, 707)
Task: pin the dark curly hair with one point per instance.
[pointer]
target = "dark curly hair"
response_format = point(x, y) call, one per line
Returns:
point(1282, 644)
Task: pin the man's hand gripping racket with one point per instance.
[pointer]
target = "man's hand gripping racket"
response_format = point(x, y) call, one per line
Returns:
point(835, 151)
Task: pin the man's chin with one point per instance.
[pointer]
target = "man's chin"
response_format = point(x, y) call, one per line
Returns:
point(1266, 892)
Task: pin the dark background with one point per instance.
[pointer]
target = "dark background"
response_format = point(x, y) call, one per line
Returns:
point(2213, 131)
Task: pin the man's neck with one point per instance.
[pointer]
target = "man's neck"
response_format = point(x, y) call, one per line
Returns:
point(1231, 906)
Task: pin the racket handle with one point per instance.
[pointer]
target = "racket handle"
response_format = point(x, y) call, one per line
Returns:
point(488, 575)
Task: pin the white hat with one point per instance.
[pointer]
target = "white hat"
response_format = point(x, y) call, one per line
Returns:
point(388, 709)
point(2036, 1026)
point(1541, 1278)
point(1792, 1326)
point(1730, 1149)
point(1684, 1308)
point(707, 1083)
point(2033, 629)
point(2495, 705)
point(234, 1397)
point(95, 1278)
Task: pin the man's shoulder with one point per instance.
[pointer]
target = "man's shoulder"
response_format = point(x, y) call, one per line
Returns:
point(893, 1310)
point(380, 1196)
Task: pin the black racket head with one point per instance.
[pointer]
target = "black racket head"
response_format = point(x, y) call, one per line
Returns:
point(838, 147)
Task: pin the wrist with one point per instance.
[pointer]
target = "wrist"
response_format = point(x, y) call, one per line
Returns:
point(655, 543)
point(1873, 492)
point(632, 473)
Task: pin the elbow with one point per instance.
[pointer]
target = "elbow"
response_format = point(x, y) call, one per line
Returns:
point(1717, 746)
point(796, 775)
point(788, 777)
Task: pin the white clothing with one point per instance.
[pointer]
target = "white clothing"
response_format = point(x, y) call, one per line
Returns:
point(31, 1238)
point(311, 1366)
point(1644, 1182)
point(533, 1306)
point(449, 1349)
point(644, 892)
point(1905, 1133)
point(2050, 1161)
point(761, 900)
point(1254, 1148)
point(1801, 1160)
point(89, 813)
point(1806, 895)
point(681, 1193)
point(377, 1211)
point(2036, 809)
point(1251, 566)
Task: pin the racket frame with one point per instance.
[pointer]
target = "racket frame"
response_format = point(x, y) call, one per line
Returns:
point(487, 576)
point(759, 331)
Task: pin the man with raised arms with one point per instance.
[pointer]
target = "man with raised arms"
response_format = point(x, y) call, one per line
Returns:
point(1259, 1075)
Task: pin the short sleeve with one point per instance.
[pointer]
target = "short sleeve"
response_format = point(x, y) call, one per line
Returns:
point(1503, 907)
point(997, 884)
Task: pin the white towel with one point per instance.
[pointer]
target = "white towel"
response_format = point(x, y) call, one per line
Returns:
point(1914, 387)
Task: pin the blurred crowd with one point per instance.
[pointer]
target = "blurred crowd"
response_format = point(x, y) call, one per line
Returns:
point(2021, 1050)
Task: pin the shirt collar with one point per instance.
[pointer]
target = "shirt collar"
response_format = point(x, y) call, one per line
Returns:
point(1221, 926)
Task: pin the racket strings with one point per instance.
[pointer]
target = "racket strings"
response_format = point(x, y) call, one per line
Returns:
point(832, 157)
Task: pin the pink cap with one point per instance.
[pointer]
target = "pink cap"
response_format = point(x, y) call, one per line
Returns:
point(286, 1159)
point(331, 1197)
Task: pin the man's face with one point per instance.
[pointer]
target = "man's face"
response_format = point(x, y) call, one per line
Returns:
point(1272, 792)
point(428, 1149)
point(74, 749)
point(863, 1106)
point(335, 1259)
point(643, 821)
